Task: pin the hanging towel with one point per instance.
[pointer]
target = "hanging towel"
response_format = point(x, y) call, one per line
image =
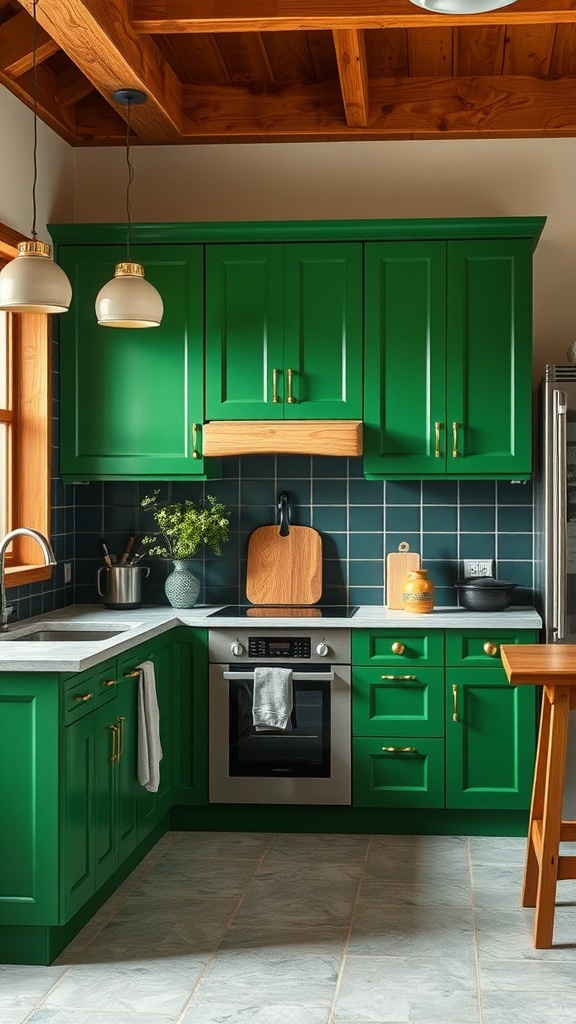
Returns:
point(273, 698)
point(149, 748)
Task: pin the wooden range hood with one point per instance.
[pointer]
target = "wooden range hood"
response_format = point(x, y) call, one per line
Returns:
point(282, 437)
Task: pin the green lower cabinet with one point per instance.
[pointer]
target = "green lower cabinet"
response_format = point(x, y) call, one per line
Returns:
point(397, 703)
point(490, 740)
point(388, 772)
point(29, 851)
point(189, 715)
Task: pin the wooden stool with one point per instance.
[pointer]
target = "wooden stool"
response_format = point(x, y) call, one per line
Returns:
point(553, 667)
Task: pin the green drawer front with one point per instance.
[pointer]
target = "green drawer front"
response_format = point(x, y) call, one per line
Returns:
point(84, 692)
point(475, 647)
point(374, 647)
point(394, 704)
point(398, 777)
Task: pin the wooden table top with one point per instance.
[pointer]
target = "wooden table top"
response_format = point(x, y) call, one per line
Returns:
point(540, 664)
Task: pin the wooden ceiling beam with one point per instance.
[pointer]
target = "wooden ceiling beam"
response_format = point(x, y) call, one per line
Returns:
point(174, 16)
point(422, 108)
point(71, 87)
point(98, 39)
point(353, 72)
point(16, 57)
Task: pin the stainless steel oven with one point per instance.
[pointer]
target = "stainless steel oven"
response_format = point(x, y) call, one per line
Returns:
point(309, 762)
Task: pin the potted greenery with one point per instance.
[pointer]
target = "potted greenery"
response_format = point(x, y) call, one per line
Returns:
point(183, 528)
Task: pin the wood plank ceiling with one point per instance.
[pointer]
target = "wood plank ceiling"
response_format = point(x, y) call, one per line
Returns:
point(293, 70)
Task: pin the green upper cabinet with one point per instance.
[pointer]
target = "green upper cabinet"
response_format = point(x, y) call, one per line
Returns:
point(448, 358)
point(132, 400)
point(284, 331)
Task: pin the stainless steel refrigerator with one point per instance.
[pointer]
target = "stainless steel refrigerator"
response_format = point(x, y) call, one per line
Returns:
point(555, 526)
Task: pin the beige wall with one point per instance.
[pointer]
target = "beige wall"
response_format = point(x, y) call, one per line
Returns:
point(54, 190)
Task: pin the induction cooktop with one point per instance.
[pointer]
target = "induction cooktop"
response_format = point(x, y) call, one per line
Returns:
point(316, 611)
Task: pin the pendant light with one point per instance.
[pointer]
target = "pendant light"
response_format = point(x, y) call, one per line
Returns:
point(461, 6)
point(128, 300)
point(32, 282)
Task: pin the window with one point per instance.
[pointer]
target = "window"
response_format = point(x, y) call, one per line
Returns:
point(24, 431)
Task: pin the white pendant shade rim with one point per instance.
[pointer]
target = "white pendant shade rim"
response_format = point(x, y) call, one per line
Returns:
point(461, 6)
point(33, 283)
point(128, 300)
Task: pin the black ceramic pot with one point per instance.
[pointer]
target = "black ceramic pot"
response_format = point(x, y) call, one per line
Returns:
point(484, 594)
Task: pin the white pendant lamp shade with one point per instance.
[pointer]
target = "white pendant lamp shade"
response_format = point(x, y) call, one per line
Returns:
point(461, 6)
point(33, 283)
point(129, 300)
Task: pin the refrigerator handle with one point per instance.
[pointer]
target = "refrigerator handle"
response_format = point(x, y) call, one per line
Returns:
point(559, 500)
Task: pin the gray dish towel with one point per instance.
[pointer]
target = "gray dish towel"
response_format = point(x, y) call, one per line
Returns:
point(273, 698)
point(149, 747)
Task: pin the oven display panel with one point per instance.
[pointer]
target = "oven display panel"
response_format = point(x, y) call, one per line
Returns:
point(279, 647)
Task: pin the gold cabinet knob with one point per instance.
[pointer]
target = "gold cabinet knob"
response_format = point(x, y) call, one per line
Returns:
point(490, 649)
point(398, 648)
point(109, 682)
point(83, 698)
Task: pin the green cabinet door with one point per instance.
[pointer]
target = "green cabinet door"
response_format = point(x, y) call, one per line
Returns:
point(132, 400)
point(29, 851)
point(284, 331)
point(125, 769)
point(490, 740)
point(244, 335)
point(405, 359)
point(80, 851)
point(489, 358)
point(392, 772)
point(448, 360)
point(397, 703)
point(189, 706)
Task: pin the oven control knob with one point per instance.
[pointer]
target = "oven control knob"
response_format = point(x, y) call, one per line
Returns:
point(322, 650)
point(236, 649)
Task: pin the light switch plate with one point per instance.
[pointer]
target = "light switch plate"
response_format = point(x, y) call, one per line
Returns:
point(478, 567)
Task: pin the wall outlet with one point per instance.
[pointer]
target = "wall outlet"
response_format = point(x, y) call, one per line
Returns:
point(478, 567)
point(67, 572)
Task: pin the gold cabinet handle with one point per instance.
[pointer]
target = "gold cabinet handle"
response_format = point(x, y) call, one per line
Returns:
point(289, 376)
point(114, 731)
point(275, 398)
point(83, 698)
point(121, 721)
point(132, 674)
point(455, 703)
point(437, 451)
point(109, 682)
point(412, 678)
point(455, 440)
point(398, 648)
point(195, 450)
point(399, 750)
point(490, 649)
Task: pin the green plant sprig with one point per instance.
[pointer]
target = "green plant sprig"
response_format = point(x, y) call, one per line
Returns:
point(186, 526)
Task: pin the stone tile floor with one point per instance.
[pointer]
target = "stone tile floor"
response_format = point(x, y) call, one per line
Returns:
point(251, 928)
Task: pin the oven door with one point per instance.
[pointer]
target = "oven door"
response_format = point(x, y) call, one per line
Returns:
point(307, 763)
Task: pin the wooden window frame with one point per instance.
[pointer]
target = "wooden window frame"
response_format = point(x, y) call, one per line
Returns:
point(29, 485)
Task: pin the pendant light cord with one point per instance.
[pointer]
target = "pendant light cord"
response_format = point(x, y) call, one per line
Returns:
point(129, 183)
point(35, 109)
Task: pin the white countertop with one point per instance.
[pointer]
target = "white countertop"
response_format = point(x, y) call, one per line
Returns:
point(142, 624)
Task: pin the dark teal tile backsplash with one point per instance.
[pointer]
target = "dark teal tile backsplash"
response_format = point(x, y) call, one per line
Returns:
point(360, 522)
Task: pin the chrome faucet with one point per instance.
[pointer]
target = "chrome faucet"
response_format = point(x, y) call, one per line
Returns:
point(49, 559)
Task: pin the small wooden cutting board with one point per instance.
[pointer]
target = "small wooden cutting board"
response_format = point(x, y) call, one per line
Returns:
point(284, 570)
point(398, 565)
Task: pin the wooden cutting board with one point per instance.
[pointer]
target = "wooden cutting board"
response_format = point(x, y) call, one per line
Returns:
point(284, 570)
point(398, 565)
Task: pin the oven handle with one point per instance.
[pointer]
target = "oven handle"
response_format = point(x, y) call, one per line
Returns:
point(312, 677)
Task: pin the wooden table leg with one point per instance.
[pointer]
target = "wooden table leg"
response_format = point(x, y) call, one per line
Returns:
point(530, 884)
point(559, 698)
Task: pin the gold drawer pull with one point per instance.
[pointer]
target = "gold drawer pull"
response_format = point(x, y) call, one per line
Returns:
point(399, 750)
point(289, 375)
point(455, 703)
point(132, 674)
point(109, 682)
point(195, 451)
point(115, 755)
point(82, 699)
point(412, 678)
point(490, 649)
point(437, 450)
point(455, 440)
point(275, 398)
point(398, 648)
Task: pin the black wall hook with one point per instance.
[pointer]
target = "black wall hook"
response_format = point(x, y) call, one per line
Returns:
point(284, 510)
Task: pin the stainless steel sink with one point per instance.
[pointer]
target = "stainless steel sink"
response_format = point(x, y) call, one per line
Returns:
point(62, 635)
